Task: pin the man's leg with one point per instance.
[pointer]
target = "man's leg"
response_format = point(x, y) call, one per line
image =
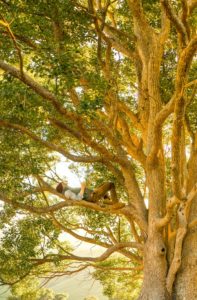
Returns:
point(102, 190)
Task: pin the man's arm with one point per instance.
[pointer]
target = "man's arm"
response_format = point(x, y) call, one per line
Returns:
point(83, 186)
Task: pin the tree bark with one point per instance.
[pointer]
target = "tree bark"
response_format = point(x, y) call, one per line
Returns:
point(185, 286)
point(155, 267)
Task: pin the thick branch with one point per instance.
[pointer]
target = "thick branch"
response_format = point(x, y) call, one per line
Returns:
point(192, 5)
point(84, 137)
point(175, 20)
point(131, 115)
point(109, 33)
point(138, 268)
point(78, 236)
point(138, 14)
point(115, 208)
point(176, 262)
point(183, 213)
point(128, 141)
point(35, 86)
point(104, 256)
point(97, 242)
point(165, 26)
point(177, 140)
point(40, 90)
point(184, 16)
point(171, 202)
point(22, 129)
point(116, 42)
point(193, 82)
point(181, 77)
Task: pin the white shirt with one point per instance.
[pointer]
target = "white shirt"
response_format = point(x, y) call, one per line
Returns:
point(70, 195)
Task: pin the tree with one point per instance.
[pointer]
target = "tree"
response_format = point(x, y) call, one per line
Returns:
point(29, 288)
point(61, 297)
point(109, 85)
point(118, 284)
point(90, 298)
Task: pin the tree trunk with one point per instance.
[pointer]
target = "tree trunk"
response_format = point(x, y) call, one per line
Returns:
point(185, 287)
point(155, 267)
point(186, 283)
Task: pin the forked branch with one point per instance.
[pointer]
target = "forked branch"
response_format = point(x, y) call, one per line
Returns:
point(102, 257)
point(171, 202)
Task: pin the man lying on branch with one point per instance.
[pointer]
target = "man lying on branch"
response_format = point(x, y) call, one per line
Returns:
point(106, 191)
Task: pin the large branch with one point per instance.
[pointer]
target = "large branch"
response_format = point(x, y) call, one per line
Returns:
point(183, 66)
point(43, 92)
point(84, 137)
point(33, 136)
point(116, 42)
point(176, 262)
point(115, 208)
point(192, 5)
point(178, 121)
point(171, 202)
point(175, 20)
point(35, 86)
point(109, 33)
point(134, 118)
point(137, 268)
point(78, 236)
point(177, 140)
point(165, 26)
point(183, 212)
point(96, 241)
point(138, 14)
point(185, 15)
point(131, 142)
point(104, 256)
point(132, 181)
point(136, 210)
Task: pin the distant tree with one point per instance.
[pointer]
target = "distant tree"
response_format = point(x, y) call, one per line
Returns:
point(26, 289)
point(118, 284)
point(29, 288)
point(62, 296)
point(45, 294)
point(91, 298)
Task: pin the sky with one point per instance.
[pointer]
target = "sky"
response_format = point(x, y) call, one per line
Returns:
point(62, 169)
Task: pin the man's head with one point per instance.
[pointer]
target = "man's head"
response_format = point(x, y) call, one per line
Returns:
point(60, 188)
